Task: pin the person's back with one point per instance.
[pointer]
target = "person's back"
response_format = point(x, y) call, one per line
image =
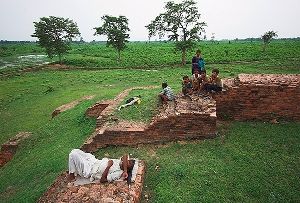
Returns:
point(166, 94)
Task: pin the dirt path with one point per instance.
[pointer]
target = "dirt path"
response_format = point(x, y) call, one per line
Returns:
point(70, 105)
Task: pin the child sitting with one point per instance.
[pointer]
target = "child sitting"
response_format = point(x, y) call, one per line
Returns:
point(187, 87)
point(203, 80)
point(166, 94)
point(214, 83)
point(196, 81)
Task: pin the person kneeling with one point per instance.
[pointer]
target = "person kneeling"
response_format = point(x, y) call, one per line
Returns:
point(105, 170)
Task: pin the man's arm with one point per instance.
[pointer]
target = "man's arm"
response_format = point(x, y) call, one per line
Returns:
point(105, 172)
point(125, 165)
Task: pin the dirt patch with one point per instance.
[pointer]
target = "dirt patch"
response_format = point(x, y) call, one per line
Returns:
point(127, 126)
point(70, 105)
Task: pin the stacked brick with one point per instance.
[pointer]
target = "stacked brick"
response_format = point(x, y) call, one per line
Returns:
point(96, 109)
point(62, 191)
point(261, 97)
point(172, 123)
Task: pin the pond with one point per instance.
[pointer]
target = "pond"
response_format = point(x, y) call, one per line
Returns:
point(24, 61)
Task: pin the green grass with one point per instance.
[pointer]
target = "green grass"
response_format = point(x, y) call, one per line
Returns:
point(143, 111)
point(256, 162)
point(157, 55)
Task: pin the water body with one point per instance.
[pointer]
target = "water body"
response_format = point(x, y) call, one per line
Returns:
point(24, 60)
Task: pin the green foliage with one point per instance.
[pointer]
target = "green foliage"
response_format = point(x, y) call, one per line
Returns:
point(55, 34)
point(257, 162)
point(115, 28)
point(179, 18)
point(143, 111)
point(267, 37)
point(281, 56)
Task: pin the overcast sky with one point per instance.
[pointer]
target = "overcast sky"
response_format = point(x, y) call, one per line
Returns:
point(228, 19)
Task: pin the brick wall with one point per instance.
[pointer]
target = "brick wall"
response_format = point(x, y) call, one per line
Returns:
point(179, 127)
point(7, 152)
point(96, 109)
point(261, 97)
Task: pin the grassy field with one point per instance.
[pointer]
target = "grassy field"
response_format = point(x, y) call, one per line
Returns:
point(249, 162)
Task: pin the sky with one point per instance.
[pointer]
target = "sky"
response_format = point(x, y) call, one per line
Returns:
point(228, 19)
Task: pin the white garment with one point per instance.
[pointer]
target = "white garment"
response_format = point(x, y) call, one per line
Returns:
point(87, 166)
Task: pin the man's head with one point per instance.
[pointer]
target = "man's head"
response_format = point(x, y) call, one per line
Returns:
point(198, 52)
point(215, 72)
point(164, 85)
point(196, 73)
point(203, 74)
point(185, 79)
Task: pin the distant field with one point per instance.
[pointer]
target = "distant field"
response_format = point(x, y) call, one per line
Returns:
point(280, 53)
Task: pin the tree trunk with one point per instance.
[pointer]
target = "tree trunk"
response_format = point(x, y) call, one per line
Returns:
point(119, 55)
point(183, 57)
point(264, 47)
point(59, 56)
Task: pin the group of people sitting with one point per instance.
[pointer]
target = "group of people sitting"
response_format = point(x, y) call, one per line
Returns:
point(198, 83)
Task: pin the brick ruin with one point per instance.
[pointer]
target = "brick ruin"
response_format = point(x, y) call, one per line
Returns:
point(64, 191)
point(246, 97)
point(9, 148)
point(260, 97)
point(176, 121)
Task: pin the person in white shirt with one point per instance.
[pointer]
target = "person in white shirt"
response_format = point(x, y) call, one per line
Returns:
point(105, 170)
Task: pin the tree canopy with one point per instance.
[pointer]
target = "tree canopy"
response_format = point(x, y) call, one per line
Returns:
point(55, 34)
point(182, 24)
point(267, 37)
point(115, 28)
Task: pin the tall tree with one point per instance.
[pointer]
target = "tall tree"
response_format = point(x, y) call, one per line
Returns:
point(182, 24)
point(267, 37)
point(115, 28)
point(55, 34)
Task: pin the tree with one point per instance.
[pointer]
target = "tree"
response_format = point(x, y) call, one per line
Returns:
point(267, 37)
point(181, 22)
point(55, 34)
point(115, 28)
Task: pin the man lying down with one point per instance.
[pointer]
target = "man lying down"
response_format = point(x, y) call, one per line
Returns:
point(105, 170)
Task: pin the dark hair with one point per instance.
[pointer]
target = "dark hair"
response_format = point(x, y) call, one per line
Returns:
point(164, 85)
point(215, 70)
point(185, 77)
point(198, 51)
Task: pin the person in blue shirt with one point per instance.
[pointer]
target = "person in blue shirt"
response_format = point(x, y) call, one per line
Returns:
point(198, 62)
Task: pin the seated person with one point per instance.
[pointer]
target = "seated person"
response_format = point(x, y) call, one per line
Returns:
point(187, 88)
point(196, 81)
point(131, 101)
point(166, 94)
point(214, 83)
point(105, 170)
point(203, 80)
